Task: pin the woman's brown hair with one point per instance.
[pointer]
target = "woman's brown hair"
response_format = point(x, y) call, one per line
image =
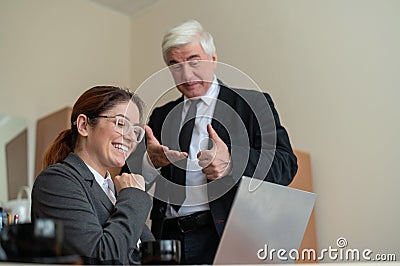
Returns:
point(91, 103)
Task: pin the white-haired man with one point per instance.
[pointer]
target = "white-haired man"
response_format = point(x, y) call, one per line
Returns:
point(235, 132)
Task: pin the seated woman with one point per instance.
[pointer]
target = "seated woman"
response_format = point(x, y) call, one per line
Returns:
point(103, 218)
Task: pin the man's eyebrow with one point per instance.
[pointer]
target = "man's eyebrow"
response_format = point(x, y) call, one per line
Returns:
point(172, 62)
point(192, 57)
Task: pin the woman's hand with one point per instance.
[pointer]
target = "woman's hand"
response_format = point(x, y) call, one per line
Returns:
point(129, 180)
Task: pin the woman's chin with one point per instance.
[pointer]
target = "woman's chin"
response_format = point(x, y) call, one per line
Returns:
point(119, 161)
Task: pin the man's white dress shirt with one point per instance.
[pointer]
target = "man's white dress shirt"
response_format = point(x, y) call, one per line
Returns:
point(199, 141)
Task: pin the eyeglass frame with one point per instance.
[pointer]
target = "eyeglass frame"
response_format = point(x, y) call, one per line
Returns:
point(178, 67)
point(131, 127)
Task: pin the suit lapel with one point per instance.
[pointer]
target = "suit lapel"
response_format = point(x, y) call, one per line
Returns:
point(222, 109)
point(83, 171)
point(99, 194)
point(171, 126)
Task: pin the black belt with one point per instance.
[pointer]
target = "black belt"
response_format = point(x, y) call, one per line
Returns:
point(188, 223)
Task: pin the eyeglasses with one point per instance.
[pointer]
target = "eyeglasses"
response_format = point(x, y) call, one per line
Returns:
point(124, 127)
point(178, 67)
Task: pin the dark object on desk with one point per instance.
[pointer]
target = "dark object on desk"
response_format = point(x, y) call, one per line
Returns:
point(161, 252)
point(69, 259)
point(32, 240)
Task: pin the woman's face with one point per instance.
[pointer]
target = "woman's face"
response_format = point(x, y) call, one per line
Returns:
point(105, 146)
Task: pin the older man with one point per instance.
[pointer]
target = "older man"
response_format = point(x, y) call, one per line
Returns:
point(202, 143)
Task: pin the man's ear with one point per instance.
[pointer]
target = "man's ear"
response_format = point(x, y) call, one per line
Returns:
point(214, 61)
point(82, 124)
point(214, 57)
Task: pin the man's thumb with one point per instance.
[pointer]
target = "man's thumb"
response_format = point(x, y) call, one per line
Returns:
point(213, 135)
point(149, 134)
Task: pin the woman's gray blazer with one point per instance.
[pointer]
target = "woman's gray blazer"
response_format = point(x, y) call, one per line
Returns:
point(93, 227)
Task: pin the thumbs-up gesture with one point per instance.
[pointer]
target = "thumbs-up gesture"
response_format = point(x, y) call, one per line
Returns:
point(216, 162)
point(161, 155)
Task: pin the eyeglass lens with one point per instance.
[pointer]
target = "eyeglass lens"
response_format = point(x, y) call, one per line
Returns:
point(126, 128)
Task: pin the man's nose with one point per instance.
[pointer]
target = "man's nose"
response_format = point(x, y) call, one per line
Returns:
point(187, 72)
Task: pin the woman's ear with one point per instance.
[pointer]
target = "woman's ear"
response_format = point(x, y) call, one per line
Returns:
point(82, 125)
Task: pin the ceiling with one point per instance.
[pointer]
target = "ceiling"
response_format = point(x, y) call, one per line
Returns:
point(127, 7)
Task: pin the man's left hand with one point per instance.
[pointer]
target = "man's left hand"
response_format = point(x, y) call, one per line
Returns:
point(216, 162)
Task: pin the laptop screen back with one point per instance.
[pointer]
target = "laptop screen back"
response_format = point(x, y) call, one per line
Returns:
point(264, 219)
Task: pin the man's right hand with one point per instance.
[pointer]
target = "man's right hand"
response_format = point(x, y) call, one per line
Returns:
point(161, 155)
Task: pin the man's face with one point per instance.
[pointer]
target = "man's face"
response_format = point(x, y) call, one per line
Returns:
point(191, 68)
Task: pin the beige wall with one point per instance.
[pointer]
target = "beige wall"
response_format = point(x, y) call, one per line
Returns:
point(332, 69)
point(53, 50)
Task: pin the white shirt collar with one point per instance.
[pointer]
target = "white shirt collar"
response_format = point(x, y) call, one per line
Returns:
point(103, 182)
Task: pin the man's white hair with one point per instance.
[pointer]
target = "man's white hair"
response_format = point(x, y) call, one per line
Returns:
point(188, 32)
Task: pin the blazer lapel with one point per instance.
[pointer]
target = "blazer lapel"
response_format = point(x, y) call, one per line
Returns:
point(171, 126)
point(223, 109)
point(99, 194)
point(84, 172)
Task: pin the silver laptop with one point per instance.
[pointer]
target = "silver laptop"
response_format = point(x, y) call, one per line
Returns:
point(266, 224)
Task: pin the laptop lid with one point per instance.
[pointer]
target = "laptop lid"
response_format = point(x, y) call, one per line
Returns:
point(265, 218)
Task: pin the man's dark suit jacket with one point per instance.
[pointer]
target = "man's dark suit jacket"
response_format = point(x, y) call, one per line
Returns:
point(93, 227)
point(248, 123)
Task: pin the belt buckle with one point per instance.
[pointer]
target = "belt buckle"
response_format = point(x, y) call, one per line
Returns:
point(184, 229)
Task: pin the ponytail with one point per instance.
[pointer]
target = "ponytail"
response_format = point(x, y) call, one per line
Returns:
point(59, 149)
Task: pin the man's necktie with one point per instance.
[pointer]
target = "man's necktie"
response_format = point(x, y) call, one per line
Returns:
point(185, 137)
